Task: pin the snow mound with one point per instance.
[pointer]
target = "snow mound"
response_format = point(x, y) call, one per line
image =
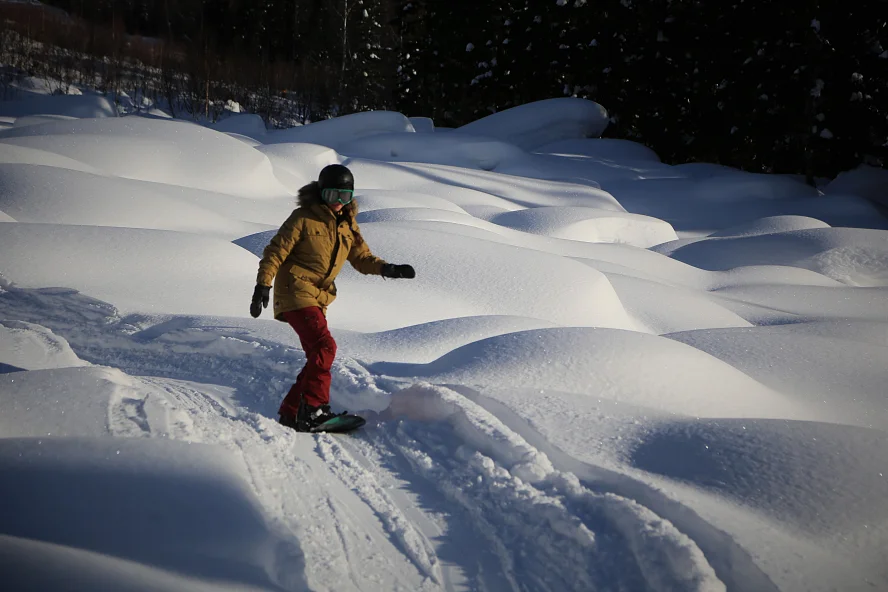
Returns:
point(772, 275)
point(298, 164)
point(828, 365)
point(422, 125)
point(169, 152)
point(381, 199)
point(420, 344)
point(703, 205)
point(137, 270)
point(454, 279)
point(601, 148)
point(50, 402)
point(39, 119)
point(787, 303)
point(32, 194)
point(246, 124)
point(27, 564)
point(624, 366)
point(469, 152)
point(32, 347)
point(12, 154)
point(857, 257)
point(864, 181)
point(82, 107)
point(489, 189)
point(665, 309)
point(540, 123)
point(421, 214)
point(821, 478)
point(338, 131)
point(742, 186)
point(589, 225)
point(706, 169)
point(771, 225)
point(133, 508)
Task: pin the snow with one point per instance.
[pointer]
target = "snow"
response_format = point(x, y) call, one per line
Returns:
point(543, 122)
point(246, 124)
point(771, 225)
point(333, 132)
point(601, 148)
point(86, 106)
point(295, 165)
point(601, 361)
point(587, 224)
point(422, 125)
point(609, 372)
point(140, 269)
point(858, 257)
point(864, 181)
point(101, 518)
point(34, 347)
point(66, 196)
point(158, 151)
point(448, 149)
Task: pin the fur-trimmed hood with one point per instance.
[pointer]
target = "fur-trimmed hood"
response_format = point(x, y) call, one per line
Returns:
point(310, 195)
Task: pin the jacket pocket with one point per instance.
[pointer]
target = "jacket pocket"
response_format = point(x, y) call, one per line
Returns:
point(325, 298)
point(302, 284)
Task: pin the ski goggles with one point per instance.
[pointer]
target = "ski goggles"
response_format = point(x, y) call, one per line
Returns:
point(342, 196)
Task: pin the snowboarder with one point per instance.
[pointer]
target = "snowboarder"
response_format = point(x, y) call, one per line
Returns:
point(304, 258)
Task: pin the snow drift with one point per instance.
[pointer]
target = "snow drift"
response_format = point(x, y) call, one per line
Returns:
point(657, 377)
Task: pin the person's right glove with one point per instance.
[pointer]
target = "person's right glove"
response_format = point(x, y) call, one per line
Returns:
point(390, 270)
point(260, 300)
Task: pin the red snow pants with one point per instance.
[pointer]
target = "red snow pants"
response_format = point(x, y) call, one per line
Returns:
point(313, 382)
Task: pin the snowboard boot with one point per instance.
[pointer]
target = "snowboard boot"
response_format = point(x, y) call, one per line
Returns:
point(289, 421)
point(312, 417)
point(308, 417)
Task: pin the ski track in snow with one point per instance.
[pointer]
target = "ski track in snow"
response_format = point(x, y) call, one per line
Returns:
point(466, 502)
point(288, 486)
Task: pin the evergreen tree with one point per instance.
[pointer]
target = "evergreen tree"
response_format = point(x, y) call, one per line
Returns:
point(796, 86)
point(366, 72)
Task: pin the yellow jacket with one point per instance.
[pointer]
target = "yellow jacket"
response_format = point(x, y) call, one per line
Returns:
point(309, 250)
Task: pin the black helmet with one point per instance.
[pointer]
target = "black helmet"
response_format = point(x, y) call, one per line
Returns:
point(336, 176)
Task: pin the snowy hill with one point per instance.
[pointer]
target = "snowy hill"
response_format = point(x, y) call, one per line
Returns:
point(609, 373)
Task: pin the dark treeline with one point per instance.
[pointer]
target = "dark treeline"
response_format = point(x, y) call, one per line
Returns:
point(791, 86)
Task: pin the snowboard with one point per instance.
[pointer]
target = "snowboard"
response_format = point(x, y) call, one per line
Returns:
point(341, 423)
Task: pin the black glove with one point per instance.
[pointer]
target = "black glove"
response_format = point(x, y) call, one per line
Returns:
point(390, 270)
point(260, 300)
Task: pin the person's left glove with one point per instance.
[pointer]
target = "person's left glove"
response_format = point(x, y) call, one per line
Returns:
point(260, 300)
point(390, 270)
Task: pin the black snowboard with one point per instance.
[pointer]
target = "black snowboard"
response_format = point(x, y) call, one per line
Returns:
point(341, 423)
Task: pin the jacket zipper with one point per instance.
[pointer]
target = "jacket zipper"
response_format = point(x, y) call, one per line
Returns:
point(335, 250)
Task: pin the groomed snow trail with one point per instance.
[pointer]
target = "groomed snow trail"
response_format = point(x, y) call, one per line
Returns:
point(435, 493)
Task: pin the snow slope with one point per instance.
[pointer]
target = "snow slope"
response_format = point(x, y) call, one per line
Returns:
point(609, 373)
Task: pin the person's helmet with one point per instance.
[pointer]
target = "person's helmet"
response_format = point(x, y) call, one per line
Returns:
point(336, 176)
point(337, 185)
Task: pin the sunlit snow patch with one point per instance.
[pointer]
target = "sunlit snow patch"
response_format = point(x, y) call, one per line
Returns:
point(170, 152)
point(590, 225)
